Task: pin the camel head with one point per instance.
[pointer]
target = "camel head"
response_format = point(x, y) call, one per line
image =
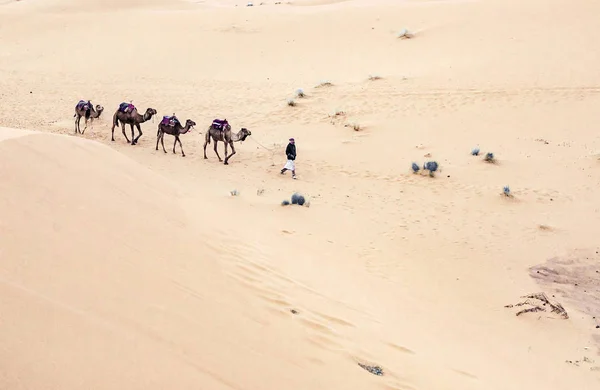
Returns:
point(150, 112)
point(244, 133)
point(99, 109)
point(190, 123)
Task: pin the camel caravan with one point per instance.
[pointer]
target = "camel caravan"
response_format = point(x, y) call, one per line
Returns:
point(127, 114)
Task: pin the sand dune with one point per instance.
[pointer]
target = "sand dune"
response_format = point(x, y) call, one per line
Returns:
point(127, 268)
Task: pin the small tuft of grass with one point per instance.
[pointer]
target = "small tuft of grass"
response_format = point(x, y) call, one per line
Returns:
point(354, 125)
point(298, 199)
point(374, 77)
point(375, 370)
point(300, 93)
point(431, 166)
point(291, 103)
point(324, 83)
point(489, 157)
point(405, 34)
point(234, 192)
point(338, 112)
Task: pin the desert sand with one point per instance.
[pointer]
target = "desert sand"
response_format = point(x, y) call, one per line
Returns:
point(122, 267)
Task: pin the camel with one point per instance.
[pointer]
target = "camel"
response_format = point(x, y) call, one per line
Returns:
point(127, 114)
point(86, 109)
point(171, 125)
point(220, 130)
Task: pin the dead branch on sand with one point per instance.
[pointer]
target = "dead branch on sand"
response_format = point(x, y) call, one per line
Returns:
point(375, 370)
point(539, 302)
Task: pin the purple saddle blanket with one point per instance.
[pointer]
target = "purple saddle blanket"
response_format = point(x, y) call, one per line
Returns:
point(126, 107)
point(219, 124)
point(83, 105)
point(169, 121)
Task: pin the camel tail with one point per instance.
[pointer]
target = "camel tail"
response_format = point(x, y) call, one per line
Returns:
point(115, 120)
point(208, 136)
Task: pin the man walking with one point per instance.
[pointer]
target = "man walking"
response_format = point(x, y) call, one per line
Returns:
point(290, 151)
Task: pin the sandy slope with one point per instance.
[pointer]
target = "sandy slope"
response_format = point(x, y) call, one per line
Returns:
point(123, 267)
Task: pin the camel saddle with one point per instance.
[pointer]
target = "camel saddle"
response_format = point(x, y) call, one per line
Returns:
point(126, 107)
point(219, 124)
point(83, 105)
point(170, 121)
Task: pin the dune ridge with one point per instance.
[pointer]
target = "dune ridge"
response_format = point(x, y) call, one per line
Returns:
point(125, 267)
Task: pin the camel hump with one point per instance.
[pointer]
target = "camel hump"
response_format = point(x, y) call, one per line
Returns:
point(219, 124)
point(126, 107)
point(83, 105)
point(169, 121)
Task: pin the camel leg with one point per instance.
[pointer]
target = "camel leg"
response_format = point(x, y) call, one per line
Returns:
point(139, 128)
point(216, 142)
point(91, 125)
point(232, 153)
point(205, 143)
point(132, 134)
point(162, 141)
point(180, 146)
point(84, 127)
point(125, 134)
point(115, 123)
point(77, 119)
point(158, 138)
point(174, 142)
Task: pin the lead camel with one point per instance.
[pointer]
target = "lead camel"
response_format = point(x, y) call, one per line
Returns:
point(220, 130)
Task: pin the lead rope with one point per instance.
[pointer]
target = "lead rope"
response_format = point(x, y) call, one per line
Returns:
point(273, 150)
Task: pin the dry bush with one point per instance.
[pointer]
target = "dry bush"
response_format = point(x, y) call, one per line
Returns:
point(324, 83)
point(405, 34)
point(375, 370)
point(354, 125)
point(490, 158)
point(337, 112)
point(539, 302)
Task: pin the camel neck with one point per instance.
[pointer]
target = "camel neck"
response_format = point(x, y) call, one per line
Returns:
point(236, 137)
